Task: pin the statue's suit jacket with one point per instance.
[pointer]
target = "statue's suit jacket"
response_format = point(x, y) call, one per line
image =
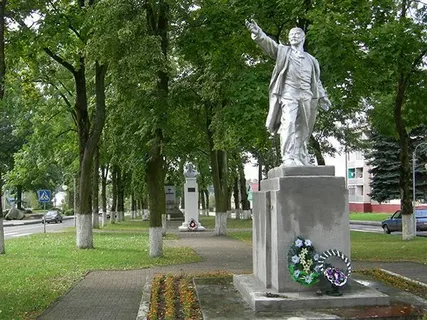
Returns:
point(281, 53)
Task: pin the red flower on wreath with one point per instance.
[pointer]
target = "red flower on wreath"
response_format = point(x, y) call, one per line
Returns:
point(192, 225)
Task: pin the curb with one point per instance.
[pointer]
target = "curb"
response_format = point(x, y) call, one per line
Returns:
point(28, 222)
point(366, 223)
point(404, 278)
point(144, 305)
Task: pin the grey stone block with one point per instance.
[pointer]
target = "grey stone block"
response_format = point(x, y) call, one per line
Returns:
point(254, 293)
point(283, 171)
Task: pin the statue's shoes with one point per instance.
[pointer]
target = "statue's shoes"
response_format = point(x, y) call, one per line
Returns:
point(291, 163)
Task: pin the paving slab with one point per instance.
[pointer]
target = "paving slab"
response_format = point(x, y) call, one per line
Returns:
point(117, 294)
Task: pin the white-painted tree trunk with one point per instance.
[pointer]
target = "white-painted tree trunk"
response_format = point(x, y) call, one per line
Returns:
point(221, 223)
point(156, 242)
point(95, 220)
point(133, 214)
point(229, 214)
point(238, 214)
point(246, 214)
point(84, 236)
point(2, 246)
point(113, 215)
point(104, 218)
point(408, 227)
point(164, 224)
point(146, 215)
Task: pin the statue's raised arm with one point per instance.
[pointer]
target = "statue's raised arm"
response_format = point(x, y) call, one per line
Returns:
point(252, 27)
point(266, 43)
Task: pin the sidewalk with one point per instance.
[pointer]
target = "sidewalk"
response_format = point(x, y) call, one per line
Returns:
point(117, 294)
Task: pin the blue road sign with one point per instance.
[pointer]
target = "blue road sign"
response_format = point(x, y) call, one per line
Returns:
point(44, 195)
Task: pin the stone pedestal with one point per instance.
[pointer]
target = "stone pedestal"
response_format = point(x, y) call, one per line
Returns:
point(172, 205)
point(191, 194)
point(296, 201)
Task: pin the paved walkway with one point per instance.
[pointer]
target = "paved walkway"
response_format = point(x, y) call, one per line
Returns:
point(117, 294)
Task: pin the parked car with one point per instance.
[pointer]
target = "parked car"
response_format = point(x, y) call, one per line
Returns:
point(394, 223)
point(52, 216)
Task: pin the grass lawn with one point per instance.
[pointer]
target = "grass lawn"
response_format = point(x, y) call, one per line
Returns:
point(128, 225)
point(369, 216)
point(38, 269)
point(387, 247)
point(209, 223)
point(373, 246)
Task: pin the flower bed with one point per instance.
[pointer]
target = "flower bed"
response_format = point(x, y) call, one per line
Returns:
point(173, 297)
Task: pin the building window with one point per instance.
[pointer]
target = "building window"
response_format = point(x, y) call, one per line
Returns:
point(359, 172)
point(351, 173)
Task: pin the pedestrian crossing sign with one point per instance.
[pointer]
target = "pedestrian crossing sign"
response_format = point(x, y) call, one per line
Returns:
point(44, 195)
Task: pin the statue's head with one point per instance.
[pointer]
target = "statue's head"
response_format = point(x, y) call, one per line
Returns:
point(296, 36)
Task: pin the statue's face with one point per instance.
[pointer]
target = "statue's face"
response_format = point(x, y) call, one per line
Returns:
point(296, 36)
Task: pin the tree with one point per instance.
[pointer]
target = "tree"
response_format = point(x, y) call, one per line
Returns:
point(384, 160)
point(3, 154)
point(388, 39)
point(62, 33)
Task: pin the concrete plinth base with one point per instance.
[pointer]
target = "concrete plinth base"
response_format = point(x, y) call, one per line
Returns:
point(184, 227)
point(310, 203)
point(254, 293)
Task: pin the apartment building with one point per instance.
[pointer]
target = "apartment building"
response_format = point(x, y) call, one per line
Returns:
point(358, 179)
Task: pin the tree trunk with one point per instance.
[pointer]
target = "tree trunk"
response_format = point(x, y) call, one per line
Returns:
point(202, 199)
point(2, 78)
point(114, 195)
point(229, 194)
point(132, 205)
point(2, 45)
point(207, 200)
point(236, 197)
point(408, 223)
point(120, 196)
point(76, 197)
point(246, 205)
point(158, 25)
point(219, 178)
point(19, 197)
point(88, 138)
point(317, 152)
point(155, 174)
point(2, 245)
point(95, 191)
point(104, 172)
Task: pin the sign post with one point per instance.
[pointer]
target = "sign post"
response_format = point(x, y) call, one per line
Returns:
point(44, 196)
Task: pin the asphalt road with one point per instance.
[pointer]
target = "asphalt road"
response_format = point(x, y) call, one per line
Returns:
point(25, 230)
point(378, 229)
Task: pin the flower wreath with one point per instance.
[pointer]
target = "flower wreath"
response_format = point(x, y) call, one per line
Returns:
point(302, 262)
point(335, 276)
point(192, 225)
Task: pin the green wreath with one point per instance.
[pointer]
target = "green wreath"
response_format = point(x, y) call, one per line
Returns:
point(302, 262)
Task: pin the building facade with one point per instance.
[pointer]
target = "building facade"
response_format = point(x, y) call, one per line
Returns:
point(358, 183)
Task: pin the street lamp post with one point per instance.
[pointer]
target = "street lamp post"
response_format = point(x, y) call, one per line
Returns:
point(414, 156)
point(414, 160)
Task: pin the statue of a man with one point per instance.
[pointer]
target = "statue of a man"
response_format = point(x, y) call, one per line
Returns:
point(294, 93)
point(189, 171)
